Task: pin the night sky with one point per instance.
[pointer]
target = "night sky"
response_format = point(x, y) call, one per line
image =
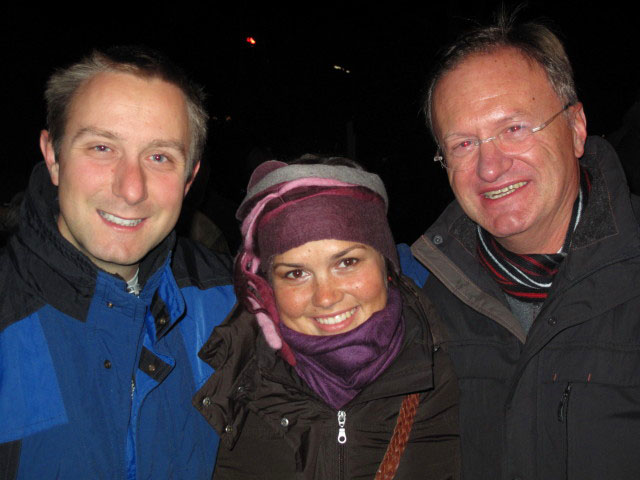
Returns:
point(283, 96)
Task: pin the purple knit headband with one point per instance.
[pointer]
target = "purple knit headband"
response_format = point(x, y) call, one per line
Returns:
point(349, 214)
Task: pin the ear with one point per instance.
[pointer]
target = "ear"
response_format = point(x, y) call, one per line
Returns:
point(192, 177)
point(46, 147)
point(579, 129)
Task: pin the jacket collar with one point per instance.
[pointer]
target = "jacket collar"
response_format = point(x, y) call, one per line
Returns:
point(608, 232)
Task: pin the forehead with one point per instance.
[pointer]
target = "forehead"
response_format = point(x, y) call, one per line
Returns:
point(122, 101)
point(491, 85)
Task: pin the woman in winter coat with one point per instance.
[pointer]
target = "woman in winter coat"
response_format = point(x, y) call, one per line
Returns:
point(331, 367)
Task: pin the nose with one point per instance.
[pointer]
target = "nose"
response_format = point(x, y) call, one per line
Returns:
point(327, 292)
point(129, 181)
point(492, 163)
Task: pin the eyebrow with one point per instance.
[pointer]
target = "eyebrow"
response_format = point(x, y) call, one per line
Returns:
point(174, 144)
point(502, 120)
point(158, 143)
point(96, 131)
point(345, 251)
point(288, 265)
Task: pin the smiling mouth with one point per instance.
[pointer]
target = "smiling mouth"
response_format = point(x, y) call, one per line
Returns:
point(119, 221)
point(503, 192)
point(336, 319)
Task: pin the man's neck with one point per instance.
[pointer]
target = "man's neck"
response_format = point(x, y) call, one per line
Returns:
point(126, 272)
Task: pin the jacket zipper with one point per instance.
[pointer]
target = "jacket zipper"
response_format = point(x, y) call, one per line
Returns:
point(342, 432)
point(563, 412)
point(342, 439)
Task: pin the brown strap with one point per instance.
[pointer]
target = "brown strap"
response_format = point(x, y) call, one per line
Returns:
point(398, 442)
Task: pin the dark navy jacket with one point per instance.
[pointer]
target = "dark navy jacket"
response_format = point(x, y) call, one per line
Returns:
point(96, 382)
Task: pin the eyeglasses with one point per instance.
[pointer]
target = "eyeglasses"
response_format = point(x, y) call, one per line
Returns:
point(515, 139)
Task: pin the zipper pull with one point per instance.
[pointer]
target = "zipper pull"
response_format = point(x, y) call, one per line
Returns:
point(342, 432)
point(564, 403)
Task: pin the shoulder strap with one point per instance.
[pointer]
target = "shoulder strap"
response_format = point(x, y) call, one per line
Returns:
point(398, 442)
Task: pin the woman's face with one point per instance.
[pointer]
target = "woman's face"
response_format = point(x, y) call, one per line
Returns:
point(327, 287)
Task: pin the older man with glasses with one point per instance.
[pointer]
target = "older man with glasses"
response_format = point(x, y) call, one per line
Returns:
point(535, 267)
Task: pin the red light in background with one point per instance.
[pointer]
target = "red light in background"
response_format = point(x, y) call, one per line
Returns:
point(251, 40)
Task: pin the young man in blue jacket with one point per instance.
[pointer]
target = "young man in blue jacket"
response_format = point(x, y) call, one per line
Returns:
point(103, 310)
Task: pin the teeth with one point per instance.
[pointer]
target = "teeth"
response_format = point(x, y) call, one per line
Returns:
point(337, 319)
point(504, 191)
point(119, 221)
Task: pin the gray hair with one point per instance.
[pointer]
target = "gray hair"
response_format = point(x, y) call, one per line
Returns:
point(139, 61)
point(533, 40)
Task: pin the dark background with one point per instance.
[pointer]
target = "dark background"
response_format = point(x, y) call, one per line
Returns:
point(283, 97)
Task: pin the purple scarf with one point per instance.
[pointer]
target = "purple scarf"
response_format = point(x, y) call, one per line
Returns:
point(337, 367)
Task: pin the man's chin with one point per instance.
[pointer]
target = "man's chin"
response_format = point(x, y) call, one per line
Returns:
point(504, 226)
